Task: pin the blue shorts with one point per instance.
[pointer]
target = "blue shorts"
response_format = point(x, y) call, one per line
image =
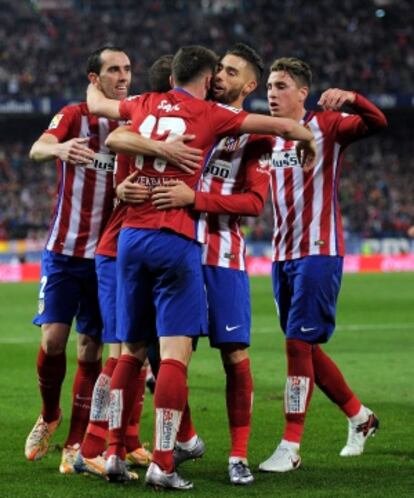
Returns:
point(306, 291)
point(68, 289)
point(106, 273)
point(160, 267)
point(228, 300)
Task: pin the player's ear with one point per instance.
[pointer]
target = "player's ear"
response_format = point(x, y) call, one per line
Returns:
point(303, 93)
point(249, 87)
point(93, 78)
point(171, 80)
point(207, 82)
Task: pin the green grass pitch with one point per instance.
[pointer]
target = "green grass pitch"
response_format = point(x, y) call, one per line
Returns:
point(373, 345)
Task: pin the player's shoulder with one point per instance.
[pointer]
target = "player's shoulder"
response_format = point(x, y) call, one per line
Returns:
point(227, 108)
point(326, 121)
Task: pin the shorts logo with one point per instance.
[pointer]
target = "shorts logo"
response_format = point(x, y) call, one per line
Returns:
point(230, 329)
point(41, 306)
point(307, 329)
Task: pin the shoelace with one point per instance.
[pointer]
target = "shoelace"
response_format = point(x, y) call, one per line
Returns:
point(242, 469)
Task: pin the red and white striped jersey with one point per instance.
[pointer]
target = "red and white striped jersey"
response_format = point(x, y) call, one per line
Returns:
point(235, 183)
point(85, 194)
point(307, 217)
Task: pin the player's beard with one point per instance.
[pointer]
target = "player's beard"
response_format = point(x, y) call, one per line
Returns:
point(229, 96)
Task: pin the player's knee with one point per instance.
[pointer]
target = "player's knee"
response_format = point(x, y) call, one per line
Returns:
point(89, 348)
point(54, 338)
point(232, 354)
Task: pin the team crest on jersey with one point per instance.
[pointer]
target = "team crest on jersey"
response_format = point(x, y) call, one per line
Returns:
point(40, 306)
point(55, 121)
point(231, 144)
point(285, 159)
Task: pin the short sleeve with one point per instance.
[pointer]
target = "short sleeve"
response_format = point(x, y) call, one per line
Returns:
point(226, 120)
point(127, 107)
point(61, 124)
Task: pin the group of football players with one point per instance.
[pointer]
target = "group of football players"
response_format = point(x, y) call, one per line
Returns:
point(146, 251)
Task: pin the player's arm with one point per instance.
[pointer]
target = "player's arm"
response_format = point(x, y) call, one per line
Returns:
point(367, 119)
point(176, 152)
point(48, 147)
point(176, 194)
point(256, 158)
point(287, 128)
point(100, 105)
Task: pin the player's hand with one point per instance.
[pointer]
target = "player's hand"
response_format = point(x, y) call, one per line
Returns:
point(334, 98)
point(410, 231)
point(75, 151)
point(173, 194)
point(306, 152)
point(131, 192)
point(176, 152)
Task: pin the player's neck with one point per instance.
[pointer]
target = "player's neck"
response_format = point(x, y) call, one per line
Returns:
point(238, 103)
point(298, 114)
point(196, 90)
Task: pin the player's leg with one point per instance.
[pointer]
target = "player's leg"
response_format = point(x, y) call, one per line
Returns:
point(228, 297)
point(362, 422)
point(314, 285)
point(89, 358)
point(94, 442)
point(137, 454)
point(133, 316)
point(90, 457)
point(58, 302)
point(181, 315)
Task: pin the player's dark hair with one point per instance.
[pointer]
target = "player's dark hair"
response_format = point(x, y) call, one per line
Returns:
point(94, 62)
point(250, 55)
point(159, 74)
point(296, 68)
point(191, 62)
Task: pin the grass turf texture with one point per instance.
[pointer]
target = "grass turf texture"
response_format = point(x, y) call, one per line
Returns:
point(373, 345)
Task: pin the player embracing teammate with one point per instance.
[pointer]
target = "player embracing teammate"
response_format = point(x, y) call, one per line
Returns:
point(308, 250)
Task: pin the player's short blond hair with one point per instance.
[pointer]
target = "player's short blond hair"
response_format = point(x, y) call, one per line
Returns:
point(296, 68)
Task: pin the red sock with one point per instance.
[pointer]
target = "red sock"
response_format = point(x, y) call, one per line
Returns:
point(124, 389)
point(94, 442)
point(51, 371)
point(170, 398)
point(239, 396)
point(132, 441)
point(299, 387)
point(330, 380)
point(187, 430)
point(85, 378)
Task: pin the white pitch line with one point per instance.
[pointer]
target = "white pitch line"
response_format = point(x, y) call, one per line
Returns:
point(262, 330)
point(23, 340)
point(351, 328)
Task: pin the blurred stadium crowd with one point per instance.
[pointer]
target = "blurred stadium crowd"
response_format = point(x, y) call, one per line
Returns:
point(43, 51)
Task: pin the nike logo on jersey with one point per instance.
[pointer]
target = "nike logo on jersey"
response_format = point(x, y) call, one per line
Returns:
point(307, 329)
point(229, 329)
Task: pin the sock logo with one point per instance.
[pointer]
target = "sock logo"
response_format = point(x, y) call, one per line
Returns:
point(100, 399)
point(296, 394)
point(115, 409)
point(167, 423)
